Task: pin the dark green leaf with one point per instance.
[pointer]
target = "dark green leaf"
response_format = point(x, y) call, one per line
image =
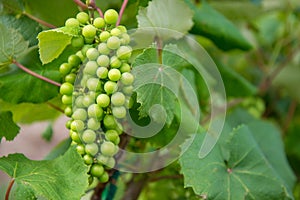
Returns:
point(63, 178)
point(13, 6)
point(8, 128)
point(48, 132)
point(213, 25)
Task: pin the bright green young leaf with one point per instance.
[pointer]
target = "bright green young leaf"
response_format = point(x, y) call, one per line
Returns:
point(168, 14)
point(237, 168)
point(28, 28)
point(51, 44)
point(213, 25)
point(12, 44)
point(8, 128)
point(62, 178)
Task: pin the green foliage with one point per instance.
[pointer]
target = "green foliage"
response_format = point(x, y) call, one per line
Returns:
point(8, 128)
point(48, 179)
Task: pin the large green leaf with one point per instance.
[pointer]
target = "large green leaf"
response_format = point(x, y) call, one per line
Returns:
point(213, 25)
point(168, 14)
point(25, 26)
point(52, 43)
point(238, 168)
point(12, 44)
point(62, 178)
point(12, 6)
point(8, 128)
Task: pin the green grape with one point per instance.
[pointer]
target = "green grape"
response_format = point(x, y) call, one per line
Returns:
point(122, 28)
point(79, 114)
point(74, 60)
point(70, 78)
point(115, 62)
point(125, 67)
point(88, 159)
point(88, 136)
point(75, 137)
point(77, 42)
point(109, 122)
point(95, 111)
point(93, 84)
point(113, 42)
point(103, 49)
point(92, 54)
point(89, 31)
point(104, 177)
point(93, 124)
point(82, 17)
point(103, 60)
point(97, 170)
point(66, 88)
point(125, 39)
point(119, 128)
point(110, 87)
point(107, 149)
point(111, 163)
point(66, 99)
point(111, 16)
point(112, 135)
point(65, 68)
point(85, 48)
point(87, 100)
point(72, 22)
point(119, 112)
point(128, 89)
point(77, 125)
point(118, 99)
point(99, 22)
point(91, 149)
point(124, 52)
point(102, 159)
point(90, 67)
point(102, 72)
point(114, 74)
point(80, 149)
point(127, 78)
point(103, 100)
point(80, 55)
point(104, 36)
point(115, 32)
point(68, 111)
point(78, 102)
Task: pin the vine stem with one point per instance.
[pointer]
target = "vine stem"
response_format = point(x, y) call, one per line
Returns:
point(94, 6)
point(39, 20)
point(9, 189)
point(35, 74)
point(81, 4)
point(121, 12)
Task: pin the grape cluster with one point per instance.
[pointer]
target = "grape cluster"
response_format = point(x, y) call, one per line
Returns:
point(97, 95)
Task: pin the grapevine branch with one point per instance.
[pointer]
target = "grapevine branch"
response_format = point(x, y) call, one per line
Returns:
point(35, 74)
point(9, 189)
point(81, 4)
point(122, 11)
point(39, 20)
point(92, 4)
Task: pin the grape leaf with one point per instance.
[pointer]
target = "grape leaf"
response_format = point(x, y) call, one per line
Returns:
point(48, 133)
point(12, 45)
point(16, 6)
point(59, 149)
point(168, 14)
point(238, 164)
point(28, 28)
point(213, 25)
point(51, 44)
point(8, 128)
point(62, 178)
point(157, 83)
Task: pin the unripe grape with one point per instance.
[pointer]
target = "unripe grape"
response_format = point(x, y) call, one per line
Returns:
point(111, 163)
point(82, 17)
point(113, 42)
point(92, 54)
point(89, 31)
point(128, 89)
point(107, 149)
point(74, 60)
point(75, 137)
point(127, 78)
point(80, 149)
point(104, 36)
point(79, 114)
point(65, 68)
point(99, 22)
point(77, 42)
point(70, 78)
point(115, 62)
point(104, 177)
point(109, 122)
point(87, 100)
point(95, 111)
point(124, 52)
point(93, 124)
point(118, 99)
point(102, 159)
point(103, 100)
point(122, 28)
point(85, 48)
point(112, 135)
point(77, 125)
point(90, 68)
point(72, 22)
point(125, 67)
point(68, 111)
point(128, 103)
point(103, 60)
point(102, 72)
point(103, 49)
point(66, 99)
point(89, 40)
point(80, 55)
point(125, 39)
point(78, 102)
point(111, 16)
point(119, 128)
point(97, 170)
point(114, 74)
point(115, 32)
point(88, 136)
point(91, 149)
point(93, 84)
point(88, 159)
point(119, 112)
point(110, 87)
